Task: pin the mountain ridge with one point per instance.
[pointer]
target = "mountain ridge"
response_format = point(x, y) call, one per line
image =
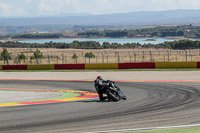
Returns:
point(140, 18)
point(131, 18)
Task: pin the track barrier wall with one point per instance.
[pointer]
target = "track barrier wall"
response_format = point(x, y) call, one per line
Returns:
point(159, 65)
point(14, 67)
point(69, 66)
point(176, 65)
point(136, 65)
point(198, 64)
point(101, 66)
point(40, 67)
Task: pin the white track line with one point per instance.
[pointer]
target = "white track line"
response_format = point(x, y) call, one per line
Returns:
point(145, 129)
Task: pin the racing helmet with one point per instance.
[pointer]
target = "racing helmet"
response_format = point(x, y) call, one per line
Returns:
point(99, 77)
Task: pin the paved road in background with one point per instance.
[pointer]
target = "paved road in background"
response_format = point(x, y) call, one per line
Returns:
point(148, 105)
point(127, 75)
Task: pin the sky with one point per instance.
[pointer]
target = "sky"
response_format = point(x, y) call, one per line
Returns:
point(33, 8)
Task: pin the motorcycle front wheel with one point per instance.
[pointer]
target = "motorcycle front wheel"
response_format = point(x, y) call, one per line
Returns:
point(114, 96)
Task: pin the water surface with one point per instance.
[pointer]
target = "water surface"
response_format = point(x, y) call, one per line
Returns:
point(102, 40)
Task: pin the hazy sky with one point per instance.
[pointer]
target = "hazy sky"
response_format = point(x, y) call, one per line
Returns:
point(50, 7)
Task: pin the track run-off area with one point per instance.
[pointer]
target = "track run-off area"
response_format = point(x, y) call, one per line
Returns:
point(151, 103)
point(66, 97)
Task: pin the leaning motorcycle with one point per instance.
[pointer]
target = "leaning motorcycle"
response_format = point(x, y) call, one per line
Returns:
point(114, 93)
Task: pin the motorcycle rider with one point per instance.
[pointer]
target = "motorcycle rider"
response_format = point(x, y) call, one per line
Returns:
point(100, 86)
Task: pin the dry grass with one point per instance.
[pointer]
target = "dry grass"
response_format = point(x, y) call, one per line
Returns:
point(64, 56)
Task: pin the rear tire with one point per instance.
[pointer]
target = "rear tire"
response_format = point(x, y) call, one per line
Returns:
point(113, 96)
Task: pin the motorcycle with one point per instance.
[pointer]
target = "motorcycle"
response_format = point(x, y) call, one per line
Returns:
point(114, 93)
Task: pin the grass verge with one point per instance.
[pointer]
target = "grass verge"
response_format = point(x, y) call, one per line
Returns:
point(176, 130)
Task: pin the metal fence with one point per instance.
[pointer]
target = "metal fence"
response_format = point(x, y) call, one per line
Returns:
point(107, 56)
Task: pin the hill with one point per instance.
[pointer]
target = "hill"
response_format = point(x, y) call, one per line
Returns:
point(120, 19)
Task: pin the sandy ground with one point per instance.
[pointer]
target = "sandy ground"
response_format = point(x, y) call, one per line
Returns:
point(64, 56)
point(140, 75)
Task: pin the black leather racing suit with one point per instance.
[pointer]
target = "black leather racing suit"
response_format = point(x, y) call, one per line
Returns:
point(100, 86)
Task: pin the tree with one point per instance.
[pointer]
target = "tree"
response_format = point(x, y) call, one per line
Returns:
point(1, 58)
point(38, 54)
point(75, 56)
point(89, 55)
point(5, 55)
point(106, 45)
point(32, 57)
point(21, 57)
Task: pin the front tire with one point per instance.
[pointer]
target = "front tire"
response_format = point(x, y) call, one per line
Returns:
point(124, 98)
point(113, 96)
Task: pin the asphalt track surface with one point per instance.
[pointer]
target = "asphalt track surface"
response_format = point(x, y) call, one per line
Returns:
point(148, 105)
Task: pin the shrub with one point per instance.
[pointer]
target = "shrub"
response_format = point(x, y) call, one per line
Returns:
point(21, 56)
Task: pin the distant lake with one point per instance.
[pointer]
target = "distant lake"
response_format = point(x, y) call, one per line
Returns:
point(102, 40)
